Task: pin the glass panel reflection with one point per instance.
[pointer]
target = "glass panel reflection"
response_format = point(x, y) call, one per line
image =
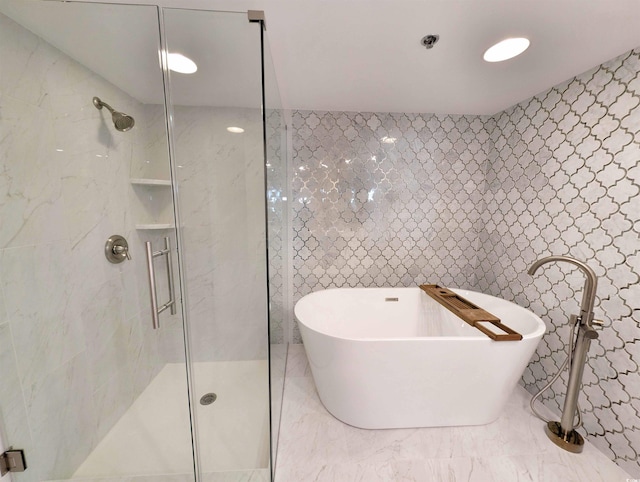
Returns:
point(88, 389)
point(219, 155)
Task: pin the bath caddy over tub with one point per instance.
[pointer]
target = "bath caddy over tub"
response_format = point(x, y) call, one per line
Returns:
point(472, 314)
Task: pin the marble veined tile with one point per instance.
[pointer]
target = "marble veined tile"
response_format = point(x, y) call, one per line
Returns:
point(381, 446)
point(297, 363)
point(25, 59)
point(258, 475)
point(513, 448)
point(135, 478)
point(301, 397)
point(3, 309)
point(14, 422)
point(105, 335)
point(592, 463)
point(30, 187)
point(309, 433)
point(46, 326)
point(315, 439)
point(62, 418)
point(346, 472)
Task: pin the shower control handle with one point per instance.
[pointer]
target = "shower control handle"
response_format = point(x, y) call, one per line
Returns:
point(119, 249)
point(116, 249)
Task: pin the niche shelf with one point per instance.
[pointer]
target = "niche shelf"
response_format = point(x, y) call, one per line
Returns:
point(154, 226)
point(150, 182)
point(153, 210)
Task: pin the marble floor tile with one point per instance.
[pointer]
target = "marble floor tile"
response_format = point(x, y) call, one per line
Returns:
point(297, 364)
point(318, 439)
point(382, 446)
point(137, 478)
point(335, 473)
point(258, 475)
point(315, 446)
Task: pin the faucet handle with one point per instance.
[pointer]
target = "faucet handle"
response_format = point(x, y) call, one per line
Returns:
point(122, 249)
point(116, 249)
point(599, 323)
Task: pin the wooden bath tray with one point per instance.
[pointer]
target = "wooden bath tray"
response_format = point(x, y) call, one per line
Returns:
point(470, 313)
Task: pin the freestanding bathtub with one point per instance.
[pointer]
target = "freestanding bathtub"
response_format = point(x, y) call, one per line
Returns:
point(395, 358)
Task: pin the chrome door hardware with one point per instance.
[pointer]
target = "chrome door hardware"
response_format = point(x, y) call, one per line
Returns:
point(155, 311)
point(12, 461)
point(116, 249)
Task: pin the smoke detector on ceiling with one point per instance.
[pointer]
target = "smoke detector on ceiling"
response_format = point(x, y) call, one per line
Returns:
point(428, 41)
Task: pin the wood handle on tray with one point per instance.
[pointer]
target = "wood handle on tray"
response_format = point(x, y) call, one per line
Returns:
point(470, 313)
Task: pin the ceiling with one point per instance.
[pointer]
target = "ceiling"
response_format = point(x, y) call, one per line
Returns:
point(121, 43)
point(366, 56)
point(358, 55)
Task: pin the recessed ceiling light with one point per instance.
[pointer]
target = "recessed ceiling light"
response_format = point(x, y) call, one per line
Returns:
point(235, 130)
point(506, 49)
point(181, 64)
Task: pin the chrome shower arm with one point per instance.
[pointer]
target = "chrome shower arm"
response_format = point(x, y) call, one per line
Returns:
point(100, 104)
point(121, 121)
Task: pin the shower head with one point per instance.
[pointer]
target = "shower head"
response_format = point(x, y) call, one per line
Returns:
point(122, 121)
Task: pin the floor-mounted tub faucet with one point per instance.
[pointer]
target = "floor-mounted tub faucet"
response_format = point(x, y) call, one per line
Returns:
point(563, 433)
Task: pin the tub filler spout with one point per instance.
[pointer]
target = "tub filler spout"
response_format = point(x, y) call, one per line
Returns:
point(563, 433)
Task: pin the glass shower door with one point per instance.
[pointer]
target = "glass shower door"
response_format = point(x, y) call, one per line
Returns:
point(218, 143)
point(90, 389)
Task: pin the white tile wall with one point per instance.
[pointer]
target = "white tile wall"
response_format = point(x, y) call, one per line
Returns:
point(222, 204)
point(76, 346)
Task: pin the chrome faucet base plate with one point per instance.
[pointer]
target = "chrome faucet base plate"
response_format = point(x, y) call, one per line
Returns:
point(570, 441)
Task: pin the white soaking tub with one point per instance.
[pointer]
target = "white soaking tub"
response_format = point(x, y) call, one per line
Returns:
point(380, 363)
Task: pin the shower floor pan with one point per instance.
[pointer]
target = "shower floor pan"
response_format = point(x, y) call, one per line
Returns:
point(153, 436)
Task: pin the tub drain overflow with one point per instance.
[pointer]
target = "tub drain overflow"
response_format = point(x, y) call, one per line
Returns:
point(208, 399)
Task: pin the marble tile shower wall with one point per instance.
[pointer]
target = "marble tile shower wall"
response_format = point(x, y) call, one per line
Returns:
point(221, 179)
point(564, 179)
point(75, 343)
point(386, 199)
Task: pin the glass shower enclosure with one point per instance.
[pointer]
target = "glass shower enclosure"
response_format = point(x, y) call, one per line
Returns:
point(148, 359)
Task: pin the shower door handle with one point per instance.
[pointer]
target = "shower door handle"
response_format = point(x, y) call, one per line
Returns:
point(155, 311)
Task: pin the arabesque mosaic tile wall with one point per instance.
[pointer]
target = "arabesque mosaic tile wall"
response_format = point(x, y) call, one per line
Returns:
point(564, 179)
point(276, 221)
point(386, 199)
point(468, 201)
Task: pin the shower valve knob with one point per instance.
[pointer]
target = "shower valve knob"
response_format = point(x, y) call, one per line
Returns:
point(116, 249)
point(122, 249)
point(597, 322)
